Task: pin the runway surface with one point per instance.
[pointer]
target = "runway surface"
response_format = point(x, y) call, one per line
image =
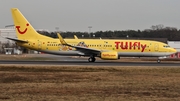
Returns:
point(85, 63)
point(81, 61)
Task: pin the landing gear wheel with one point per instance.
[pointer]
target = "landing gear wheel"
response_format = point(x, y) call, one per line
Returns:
point(158, 61)
point(92, 59)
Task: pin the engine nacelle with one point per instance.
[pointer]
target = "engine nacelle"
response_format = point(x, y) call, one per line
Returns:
point(109, 55)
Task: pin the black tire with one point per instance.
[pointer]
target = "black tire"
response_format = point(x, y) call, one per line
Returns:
point(92, 59)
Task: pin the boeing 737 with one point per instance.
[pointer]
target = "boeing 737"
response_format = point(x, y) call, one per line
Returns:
point(106, 49)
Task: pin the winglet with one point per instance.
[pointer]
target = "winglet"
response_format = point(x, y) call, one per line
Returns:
point(61, 39)
point(75, 37)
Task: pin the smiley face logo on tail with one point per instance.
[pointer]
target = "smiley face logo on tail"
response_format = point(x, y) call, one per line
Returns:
point(22, 32)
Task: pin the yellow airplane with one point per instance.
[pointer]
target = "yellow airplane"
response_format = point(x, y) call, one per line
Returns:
point(105, 49)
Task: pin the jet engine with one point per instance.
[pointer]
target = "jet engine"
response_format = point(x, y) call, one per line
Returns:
point(109, 55)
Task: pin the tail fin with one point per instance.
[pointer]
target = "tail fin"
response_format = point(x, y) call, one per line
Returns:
point(24, 30)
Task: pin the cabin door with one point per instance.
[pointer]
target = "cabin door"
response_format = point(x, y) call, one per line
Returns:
point(156, 47)
point(39, 44)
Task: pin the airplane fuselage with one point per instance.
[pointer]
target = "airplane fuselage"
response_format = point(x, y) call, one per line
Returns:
point(136, 48)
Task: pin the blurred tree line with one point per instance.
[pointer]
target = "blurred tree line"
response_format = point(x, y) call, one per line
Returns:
point(156, 31)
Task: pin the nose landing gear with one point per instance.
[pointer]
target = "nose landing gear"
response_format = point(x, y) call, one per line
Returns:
point(160, 58)
point(158, 61)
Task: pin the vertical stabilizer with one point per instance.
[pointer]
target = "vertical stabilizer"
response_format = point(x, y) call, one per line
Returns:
point(24, 30)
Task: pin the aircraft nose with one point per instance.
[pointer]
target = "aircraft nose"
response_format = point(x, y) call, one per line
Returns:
point(173, 50)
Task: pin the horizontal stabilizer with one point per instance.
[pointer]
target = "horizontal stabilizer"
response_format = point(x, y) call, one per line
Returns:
point(16, 40)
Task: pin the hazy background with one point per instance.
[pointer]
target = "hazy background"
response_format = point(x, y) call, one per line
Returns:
point(77, 15)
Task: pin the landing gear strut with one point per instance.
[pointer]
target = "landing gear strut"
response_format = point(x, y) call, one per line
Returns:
point(158, 61)
point(92, 59)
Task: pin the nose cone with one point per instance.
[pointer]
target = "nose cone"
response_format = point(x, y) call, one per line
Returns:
point(173, 50)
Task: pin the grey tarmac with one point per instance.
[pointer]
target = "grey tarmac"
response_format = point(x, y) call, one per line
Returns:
point(85, 63)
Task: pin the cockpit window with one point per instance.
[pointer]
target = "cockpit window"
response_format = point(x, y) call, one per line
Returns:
point(166, 46)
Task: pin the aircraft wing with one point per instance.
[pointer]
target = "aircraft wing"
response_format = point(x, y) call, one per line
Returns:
point(17, 40)
point(79, 48)
point(86, 50)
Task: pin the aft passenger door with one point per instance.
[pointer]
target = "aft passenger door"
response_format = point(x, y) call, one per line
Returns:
point(39, 44)
point(156, 47)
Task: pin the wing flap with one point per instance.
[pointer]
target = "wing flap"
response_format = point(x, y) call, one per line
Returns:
point(86, 50)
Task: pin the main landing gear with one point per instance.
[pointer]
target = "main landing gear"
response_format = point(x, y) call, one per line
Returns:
point(92, 59)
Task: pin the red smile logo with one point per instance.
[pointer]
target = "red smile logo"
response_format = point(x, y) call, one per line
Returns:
point(22, 32)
